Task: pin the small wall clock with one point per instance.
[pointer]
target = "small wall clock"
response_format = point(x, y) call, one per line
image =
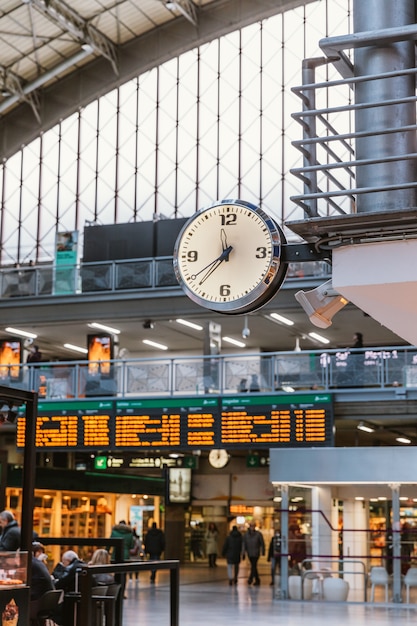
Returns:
point(218, 458)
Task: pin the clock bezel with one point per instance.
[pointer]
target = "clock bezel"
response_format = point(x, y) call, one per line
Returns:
point(268, 284)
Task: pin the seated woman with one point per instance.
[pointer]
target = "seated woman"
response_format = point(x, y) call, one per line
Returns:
point(101, 557)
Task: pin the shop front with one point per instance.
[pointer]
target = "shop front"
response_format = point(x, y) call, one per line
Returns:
point(359, 506)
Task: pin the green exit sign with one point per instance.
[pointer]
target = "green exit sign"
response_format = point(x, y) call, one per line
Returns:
point(252, 460)
point(190, 461)
point(100, 462)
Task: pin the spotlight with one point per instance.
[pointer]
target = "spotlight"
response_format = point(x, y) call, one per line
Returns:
point(148, 324)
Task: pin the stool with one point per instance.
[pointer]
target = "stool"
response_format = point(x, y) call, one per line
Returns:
point(335, 589)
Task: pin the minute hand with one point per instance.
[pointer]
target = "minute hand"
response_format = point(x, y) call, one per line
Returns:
point(211, 267)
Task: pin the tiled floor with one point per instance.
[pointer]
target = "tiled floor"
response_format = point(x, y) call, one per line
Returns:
point(206, 599)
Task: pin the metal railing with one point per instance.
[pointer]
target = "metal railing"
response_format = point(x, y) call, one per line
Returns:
point(319, 572)
point(45, 280)
point(373, 368)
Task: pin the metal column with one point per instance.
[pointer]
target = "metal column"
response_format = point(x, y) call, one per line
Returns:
point(380, 57)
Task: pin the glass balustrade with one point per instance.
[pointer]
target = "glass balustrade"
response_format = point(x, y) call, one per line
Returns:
point(283, 372)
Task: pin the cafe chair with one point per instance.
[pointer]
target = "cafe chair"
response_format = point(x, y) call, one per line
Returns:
point(106, 604)
point(379, 577)
point(49, 607)
point(410, 580)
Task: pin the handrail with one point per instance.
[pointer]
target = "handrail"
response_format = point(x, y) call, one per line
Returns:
point(141, 274)
point(384, 368)
point(85, 584)
point(328, 572)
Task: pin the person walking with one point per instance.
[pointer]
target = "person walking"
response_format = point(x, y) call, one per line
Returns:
point(232, 550)
point(274, 553)
point(125, 532)
point(254, 547)
point(154, 545)
point(10, 532)
point(212, 535)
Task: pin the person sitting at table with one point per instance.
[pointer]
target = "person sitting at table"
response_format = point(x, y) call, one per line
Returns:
point(41, 581)
point(64, 574)
point(101, 557)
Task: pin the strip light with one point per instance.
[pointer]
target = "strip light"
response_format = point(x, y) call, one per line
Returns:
point(234, 342)
point(107, 329)
point(70, 346)
point(318, 337)
point(282, 319)
point(21, 333)
point(365, 428)
point(155, 344)
point(189, 324)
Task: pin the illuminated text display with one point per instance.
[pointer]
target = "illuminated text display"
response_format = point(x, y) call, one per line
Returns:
point(184, 423)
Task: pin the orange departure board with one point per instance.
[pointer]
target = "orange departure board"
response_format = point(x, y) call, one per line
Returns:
point(272, 421)
point(243, 421)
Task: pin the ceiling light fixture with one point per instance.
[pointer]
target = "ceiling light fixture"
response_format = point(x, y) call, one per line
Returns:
point(234, 342)
point(189, 324)
point(318, 337)
point(70, 346)
point(365, 427)
point(280, 318)
point(21, 333)
point(155, 344)
point(403, 440)
point(108, 329)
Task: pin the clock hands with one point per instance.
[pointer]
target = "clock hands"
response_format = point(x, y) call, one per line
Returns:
point(223, 239)
point(211, 267)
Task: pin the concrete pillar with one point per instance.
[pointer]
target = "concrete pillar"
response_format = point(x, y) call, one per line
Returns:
point(355, 544)
point(324, 532)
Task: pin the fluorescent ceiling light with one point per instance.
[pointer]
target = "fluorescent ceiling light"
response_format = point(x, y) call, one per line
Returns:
point(403, 440)
point(318, 337)
point(21, 333)
point(282, 319)
point(365, 428)
point(154, 344)
point(108, 329)
point(71, 346)
point(189, 324)
point(234, 342)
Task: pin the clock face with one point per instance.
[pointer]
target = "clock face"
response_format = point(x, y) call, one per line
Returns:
point(218, 458)
point(227, 257)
